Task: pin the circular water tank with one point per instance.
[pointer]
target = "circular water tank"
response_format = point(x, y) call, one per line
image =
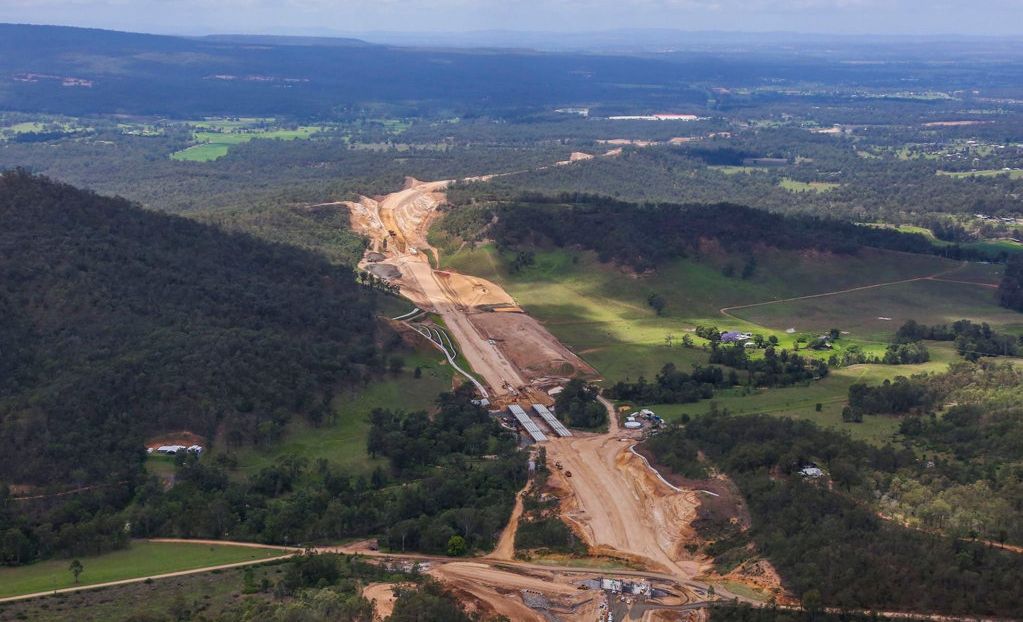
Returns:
point(632, 425)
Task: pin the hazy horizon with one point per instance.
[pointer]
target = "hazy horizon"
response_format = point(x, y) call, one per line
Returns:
point(422, 17)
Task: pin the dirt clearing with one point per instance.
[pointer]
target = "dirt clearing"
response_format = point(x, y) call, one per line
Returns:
point(503, 592)
point(509, 351)
point(530, 346)
point(382, 596)
point(619, 505)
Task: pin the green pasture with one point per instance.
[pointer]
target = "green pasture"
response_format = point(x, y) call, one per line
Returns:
point(992, 247)
point(831, 392)
point(141, 559)
point(342, 442)
point(216, 144)
point(875, 314)
point(602, 313)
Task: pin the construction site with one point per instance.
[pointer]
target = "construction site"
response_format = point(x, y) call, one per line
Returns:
point(619, 506)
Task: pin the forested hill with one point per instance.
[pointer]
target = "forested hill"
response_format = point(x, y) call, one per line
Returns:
point(645, 235)
point(118, 323)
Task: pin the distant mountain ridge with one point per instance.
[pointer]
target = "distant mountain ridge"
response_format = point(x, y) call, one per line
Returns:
point(80, 71)
point(340, 42)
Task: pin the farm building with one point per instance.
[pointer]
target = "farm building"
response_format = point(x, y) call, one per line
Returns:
point(170, 449)
point(734, 336)
point(811, 471)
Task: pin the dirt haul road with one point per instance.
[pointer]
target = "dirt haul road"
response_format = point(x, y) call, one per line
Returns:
point(503, 591)
point(616, 502)
point(510, 351)
point(619, 505)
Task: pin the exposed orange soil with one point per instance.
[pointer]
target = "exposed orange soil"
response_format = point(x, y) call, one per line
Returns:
point(505, 548)
point(501, 591)
point(504, 349)
point(618, 504)
point(184, 437)
point(382, 596)
point(615, 501)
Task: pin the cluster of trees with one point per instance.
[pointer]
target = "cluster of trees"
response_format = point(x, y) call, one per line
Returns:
point(894, 354)
point(905, 354)
point(972, 485)
point(902, 396)
point(774, 369)
point(415, 440)
point(830, 547)
point(811, 612)
point(540, 526)
point(672, 386)
point(1010, 289)
point(972, 340)
point(577, 405)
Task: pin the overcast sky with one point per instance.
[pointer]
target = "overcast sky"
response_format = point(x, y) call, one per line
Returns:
point(322, 17)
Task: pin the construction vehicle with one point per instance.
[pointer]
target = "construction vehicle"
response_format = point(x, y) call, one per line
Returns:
point(568, 474)
point(557, 465)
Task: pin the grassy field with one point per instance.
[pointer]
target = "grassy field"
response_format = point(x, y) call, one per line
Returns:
point(343, 441)
point(800, 402)
point(602, 314)
point(216, 144)
point(874, 314)
point(734, 170)
point(207, 595)
point(813, 186)
point(142, 559)
point(1012, 173)
point(991, 247)
point(160, 465)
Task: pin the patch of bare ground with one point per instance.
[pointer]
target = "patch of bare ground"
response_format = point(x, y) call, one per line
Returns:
point(761, 575)
point(576, 156)
point(495, 591)
point(382, 595)
point(505, 548)
point(530, 346)
point(720, 513)
point(181, 437)
point(666, 615)
point(620, 508)
point(954, 123)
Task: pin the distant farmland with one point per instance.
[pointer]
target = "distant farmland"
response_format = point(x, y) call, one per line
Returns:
point(215, 145)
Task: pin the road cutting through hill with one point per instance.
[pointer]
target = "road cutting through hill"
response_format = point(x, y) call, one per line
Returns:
point(614, 500)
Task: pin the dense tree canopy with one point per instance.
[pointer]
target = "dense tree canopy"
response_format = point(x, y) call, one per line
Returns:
point(828, 540)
